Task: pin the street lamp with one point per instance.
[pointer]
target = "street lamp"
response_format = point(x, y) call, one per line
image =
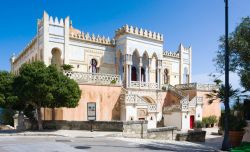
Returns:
point(226, 144)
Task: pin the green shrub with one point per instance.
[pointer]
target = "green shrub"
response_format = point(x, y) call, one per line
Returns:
point(205, 122)
point(113, 82)
point(67, 67)
point(213, 119)
point(210, 120)
point(198, 124)
point(6, 117)
point(234, 123)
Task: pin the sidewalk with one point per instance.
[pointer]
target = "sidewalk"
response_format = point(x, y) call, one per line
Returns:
point(62, 133)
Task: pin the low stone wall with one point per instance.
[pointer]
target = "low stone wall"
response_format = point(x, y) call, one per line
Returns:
point(162, 133)
point(84, 125)
point(135, 129)
point(193, 136)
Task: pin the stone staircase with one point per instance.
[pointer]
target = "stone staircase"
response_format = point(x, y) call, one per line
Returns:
point(181, 95)
point(133, 97)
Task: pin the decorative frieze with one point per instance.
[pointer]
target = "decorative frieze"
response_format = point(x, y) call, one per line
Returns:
point(139, 32)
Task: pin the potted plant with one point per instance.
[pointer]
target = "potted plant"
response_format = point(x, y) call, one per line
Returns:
point(205, 122)
point(212, 120)
point(113, 82)
point(236, 129)
point(198, 126)
point(67, 67)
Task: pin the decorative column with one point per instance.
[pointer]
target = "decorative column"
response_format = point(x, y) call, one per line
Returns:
point(159, 79)
point(146, 74)
point(157, 73)
point(126, 70)
point(140, 65)
point(127, 75)
point(149, 67)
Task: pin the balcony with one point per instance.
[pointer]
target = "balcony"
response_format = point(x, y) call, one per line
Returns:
point(94, 78)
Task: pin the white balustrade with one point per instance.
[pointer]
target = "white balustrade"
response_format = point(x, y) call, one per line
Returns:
point(94, 78)
point(152, 108)
point(143, 85)
point(197, 86)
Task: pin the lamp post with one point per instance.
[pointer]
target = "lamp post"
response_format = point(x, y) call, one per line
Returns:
point(226, 144)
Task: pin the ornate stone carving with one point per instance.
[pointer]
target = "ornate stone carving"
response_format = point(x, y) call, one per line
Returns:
point(94, 78)
point(143, 85)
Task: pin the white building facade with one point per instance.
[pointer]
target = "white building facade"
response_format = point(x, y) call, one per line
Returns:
point(134, 58)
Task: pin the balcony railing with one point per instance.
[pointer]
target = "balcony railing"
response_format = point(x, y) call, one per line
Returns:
point(94, 78)
point(137, 100)
point(143, 85)
point(197, 86)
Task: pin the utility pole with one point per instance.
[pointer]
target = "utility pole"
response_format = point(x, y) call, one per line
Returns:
point(226, 145)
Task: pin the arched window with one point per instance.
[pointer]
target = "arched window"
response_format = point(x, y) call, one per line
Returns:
point(143, 79)
point(185, 75)
point(56, 57)
point(134, 74)
point(166, 76)
point(94, 66)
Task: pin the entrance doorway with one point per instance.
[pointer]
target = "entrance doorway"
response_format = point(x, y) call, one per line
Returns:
point(192, 121)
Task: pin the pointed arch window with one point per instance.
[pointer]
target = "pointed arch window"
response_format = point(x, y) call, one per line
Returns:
point(94, 68)
point(166, 76)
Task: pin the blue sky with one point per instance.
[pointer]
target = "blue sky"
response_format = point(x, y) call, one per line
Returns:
point(198, 23)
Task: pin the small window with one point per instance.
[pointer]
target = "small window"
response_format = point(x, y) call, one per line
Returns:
point(94, 66)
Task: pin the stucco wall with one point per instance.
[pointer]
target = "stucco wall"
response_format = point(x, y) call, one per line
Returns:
point(105, 97)
point(173, 119)
point(209, 109)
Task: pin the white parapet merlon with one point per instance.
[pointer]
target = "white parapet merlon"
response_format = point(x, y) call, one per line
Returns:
point(94, 78)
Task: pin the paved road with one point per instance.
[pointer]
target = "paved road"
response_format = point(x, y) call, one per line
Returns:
point(93, 144)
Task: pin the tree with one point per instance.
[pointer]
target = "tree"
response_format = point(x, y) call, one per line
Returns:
point(40, 86)
point(7, 97)
point(220, 93)
point(239, 48)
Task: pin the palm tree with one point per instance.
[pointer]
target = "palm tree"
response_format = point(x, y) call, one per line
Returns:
point(220, 94)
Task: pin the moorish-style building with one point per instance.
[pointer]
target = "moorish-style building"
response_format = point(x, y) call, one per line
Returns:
point(129, 77)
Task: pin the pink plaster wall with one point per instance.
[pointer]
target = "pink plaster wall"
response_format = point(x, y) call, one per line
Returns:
point(209, 109)
point(105, 97)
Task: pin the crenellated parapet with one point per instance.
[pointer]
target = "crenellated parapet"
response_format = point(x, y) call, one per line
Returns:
point(92, 38)
point(56, 21)
point(171, 54)
point(139, 32)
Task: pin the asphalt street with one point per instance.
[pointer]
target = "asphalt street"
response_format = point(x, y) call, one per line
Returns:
point(93, 144)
